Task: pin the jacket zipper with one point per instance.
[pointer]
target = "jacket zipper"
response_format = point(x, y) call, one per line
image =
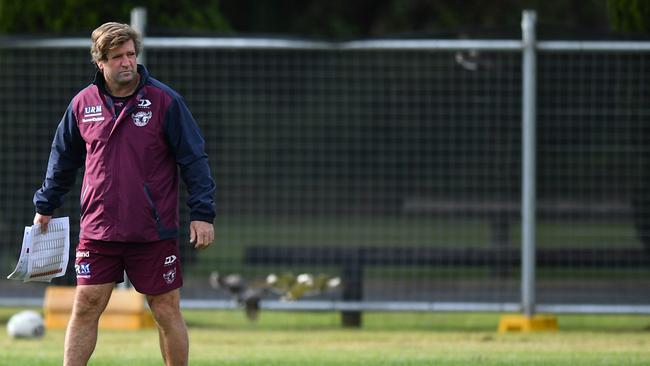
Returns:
point(154, 211)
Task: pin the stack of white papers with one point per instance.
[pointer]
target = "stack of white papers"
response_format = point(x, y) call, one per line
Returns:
point(44, 256)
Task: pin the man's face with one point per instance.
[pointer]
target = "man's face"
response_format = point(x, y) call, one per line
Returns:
point(120, 67)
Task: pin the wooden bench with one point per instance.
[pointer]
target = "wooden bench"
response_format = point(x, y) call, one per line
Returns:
point(502, 214)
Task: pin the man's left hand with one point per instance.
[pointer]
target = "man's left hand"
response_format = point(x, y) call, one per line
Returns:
point(201, 234)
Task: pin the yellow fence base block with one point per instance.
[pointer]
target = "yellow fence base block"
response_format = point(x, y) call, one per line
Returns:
point(125, 310)
point(522, 323)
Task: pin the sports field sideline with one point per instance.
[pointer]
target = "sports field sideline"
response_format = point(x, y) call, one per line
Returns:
point(299, 338)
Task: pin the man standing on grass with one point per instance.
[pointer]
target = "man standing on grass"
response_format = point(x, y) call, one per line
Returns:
point(133, 133)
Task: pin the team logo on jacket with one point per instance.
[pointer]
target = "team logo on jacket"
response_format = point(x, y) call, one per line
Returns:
point(92, 114)
point(141, 118)
point(144, 103)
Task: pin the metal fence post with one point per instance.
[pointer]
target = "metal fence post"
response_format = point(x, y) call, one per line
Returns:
point(139, 23)
point(528, 199)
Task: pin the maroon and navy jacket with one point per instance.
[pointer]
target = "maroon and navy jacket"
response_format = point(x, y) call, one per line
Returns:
point(132, 163)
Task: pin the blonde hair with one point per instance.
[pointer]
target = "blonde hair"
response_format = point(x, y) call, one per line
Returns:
point(111, 35)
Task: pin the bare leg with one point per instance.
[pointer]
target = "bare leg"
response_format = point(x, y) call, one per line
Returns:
point(174, 344)
point(81, 335)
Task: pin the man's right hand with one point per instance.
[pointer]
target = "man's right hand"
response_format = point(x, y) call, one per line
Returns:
point(42, 220)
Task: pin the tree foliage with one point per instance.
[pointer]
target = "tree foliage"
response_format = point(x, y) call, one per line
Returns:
point(368, 18)
point(66, 16)
point(329, 19)
point(629, 15)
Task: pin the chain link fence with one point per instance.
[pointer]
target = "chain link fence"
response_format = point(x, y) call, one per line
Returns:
point(396, 165)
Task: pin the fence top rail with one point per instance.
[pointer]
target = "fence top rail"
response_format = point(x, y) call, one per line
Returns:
point(594, 46)
point(274, 43)
point(361, 45)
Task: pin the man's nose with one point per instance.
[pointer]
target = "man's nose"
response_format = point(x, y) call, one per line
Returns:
point(124, 60)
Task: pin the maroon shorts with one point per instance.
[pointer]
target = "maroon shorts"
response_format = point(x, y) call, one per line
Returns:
point(153, 268)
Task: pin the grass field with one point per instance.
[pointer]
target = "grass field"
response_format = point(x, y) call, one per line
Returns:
point(316, 339)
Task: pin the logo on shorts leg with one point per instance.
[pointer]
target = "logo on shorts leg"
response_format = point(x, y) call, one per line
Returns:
point(170, 276)
point(170, 260)
point(83, 270)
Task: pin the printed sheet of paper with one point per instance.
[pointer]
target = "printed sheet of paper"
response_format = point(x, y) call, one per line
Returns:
point(21, 267)
point(44, 256)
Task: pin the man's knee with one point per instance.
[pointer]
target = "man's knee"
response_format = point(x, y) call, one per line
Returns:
point(165, 307)
point(90, 302)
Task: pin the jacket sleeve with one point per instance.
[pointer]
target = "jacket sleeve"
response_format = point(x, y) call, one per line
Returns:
point(187, 143)
point(66, 157)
